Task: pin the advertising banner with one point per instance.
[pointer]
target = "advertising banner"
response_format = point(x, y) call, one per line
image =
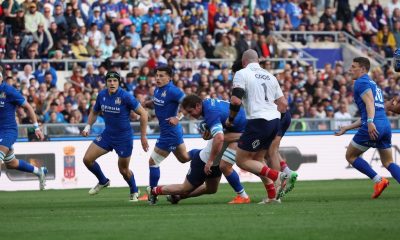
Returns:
point(314, 157)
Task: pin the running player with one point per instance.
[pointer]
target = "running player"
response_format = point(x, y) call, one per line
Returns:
point(374, 127)
point(263, 101)
point(10, 99)
point(167, 98)
point(115, 104)
point(215, 114)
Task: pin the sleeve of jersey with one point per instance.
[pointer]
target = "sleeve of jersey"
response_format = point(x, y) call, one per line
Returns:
point(97, 107)
point(238, 81)
point(17, 97)
point(362, 87)
point(132, 103)
point(214, 123)
point(278, 92)
point(179, 95)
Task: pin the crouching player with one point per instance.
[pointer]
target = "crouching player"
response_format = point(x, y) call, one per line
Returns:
point(115, 105)
point(215, 114)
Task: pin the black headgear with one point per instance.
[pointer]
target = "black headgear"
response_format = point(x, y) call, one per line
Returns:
point(112, 74)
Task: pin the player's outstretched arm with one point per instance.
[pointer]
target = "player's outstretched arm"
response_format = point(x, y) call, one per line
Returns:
point(344, 129)
point(33, 117)
point(91, 120)
point(143, 127)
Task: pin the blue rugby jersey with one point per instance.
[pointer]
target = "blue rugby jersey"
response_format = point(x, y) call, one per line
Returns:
point(116, 110)
point(361, 86)
point(166, 101)
point(215, 113)
point(10, 98)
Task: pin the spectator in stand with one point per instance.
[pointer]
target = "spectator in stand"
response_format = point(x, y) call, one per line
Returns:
point(42, 69)
point(77, 79)
point(386, 41)
point(44, 39)
point(225, 50)
point(91, 79)
point(362, 26)
point(33, 18)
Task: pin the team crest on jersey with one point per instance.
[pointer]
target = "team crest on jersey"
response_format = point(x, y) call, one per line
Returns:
point(164, 93)
point(256, 143)
point(104, 98)
point(118, 101)
point(98, 138)
point(3, 95)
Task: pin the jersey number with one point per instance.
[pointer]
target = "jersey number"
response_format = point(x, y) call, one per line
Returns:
point(378, 96)
point(265, 91)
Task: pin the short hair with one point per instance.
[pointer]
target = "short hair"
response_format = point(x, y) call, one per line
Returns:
point(190, 101)
point(166, 69)
point(363, 62)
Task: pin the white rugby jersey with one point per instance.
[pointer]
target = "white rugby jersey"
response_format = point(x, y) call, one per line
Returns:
point(261, 90)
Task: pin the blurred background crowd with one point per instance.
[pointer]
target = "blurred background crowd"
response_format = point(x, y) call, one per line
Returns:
point(134, 37)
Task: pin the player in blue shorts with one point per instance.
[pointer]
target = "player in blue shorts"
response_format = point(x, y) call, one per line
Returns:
point(374, 127)
point(215, 113)
point(10, 99)
point(167, 98)
point(115, 105)
point(274, 158)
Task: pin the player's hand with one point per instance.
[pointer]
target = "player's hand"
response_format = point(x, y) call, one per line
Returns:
point(85, 132)
point(173, 121)
point(228, 123)
point(207, 168)
point(342, 130)
point(206, 135)
point(145, 144)
point(372, 131)
point(39, 134)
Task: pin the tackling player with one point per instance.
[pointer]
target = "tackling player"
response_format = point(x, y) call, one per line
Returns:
point(10, 99)
point(215, 113)
point(115, 105)
point(374, 127)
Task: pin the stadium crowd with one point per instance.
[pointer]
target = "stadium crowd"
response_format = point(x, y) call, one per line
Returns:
point(138, 36)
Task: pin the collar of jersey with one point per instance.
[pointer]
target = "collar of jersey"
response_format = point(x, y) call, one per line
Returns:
point(253, 65)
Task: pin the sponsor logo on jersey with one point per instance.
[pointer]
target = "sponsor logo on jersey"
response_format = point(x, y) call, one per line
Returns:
point(3, 95)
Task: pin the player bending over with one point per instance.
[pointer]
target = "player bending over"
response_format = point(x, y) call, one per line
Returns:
point(215, 113)
point(115, 104)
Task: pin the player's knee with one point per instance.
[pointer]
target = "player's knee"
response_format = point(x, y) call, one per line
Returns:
point(156, 159)
point(124, 172)
point(211, 190)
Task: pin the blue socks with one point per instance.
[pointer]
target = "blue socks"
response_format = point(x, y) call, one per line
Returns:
point(154, 175)
point(362, 166)
point(96, 170)
point(132, 184)
point(25, 167)
point(394, 169)
point(234, 181)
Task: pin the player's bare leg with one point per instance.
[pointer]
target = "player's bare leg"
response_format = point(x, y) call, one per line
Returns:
point(123, 166)
point(353, 156)
point(8, 157)
point(181, 153)
point(93, 153)
point(387, 161)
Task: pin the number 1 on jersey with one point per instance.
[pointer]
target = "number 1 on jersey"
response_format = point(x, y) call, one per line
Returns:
point(265, 91)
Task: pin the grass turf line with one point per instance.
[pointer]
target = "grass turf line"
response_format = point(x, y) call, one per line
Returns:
point(340, 209)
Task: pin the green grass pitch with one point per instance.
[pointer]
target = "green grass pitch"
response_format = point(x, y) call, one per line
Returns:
point(340, 209)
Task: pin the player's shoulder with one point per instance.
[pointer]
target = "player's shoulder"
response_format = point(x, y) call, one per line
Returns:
point(102, 92)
